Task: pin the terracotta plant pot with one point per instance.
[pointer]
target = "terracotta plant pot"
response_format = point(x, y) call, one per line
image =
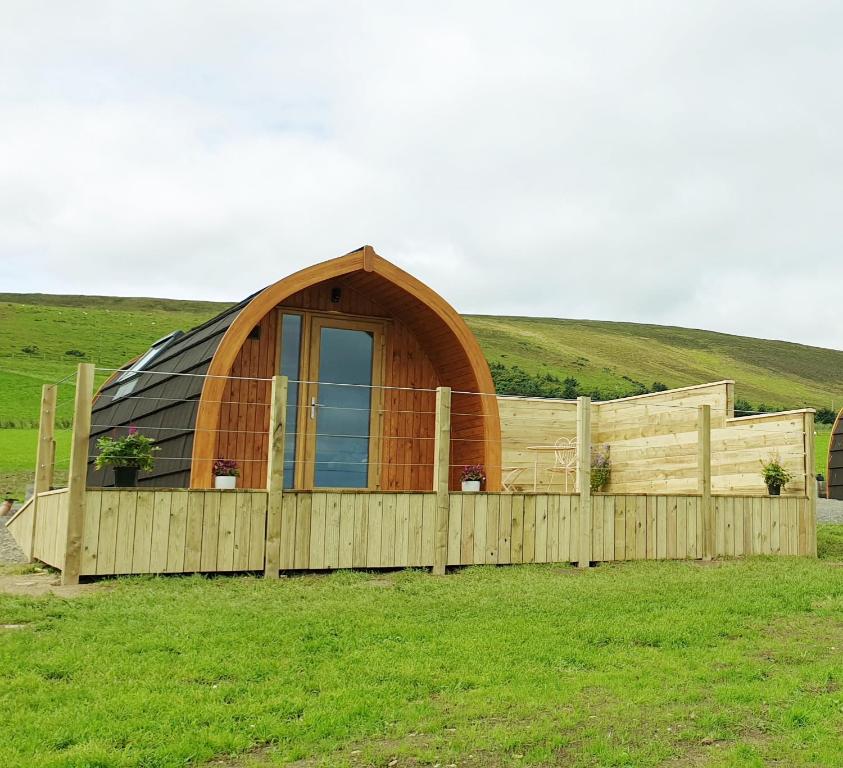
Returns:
point(125, 477)
point(225, 482)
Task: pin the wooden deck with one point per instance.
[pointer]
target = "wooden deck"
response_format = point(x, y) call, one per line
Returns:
point(199, 531)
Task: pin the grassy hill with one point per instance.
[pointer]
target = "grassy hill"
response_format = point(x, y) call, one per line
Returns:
point(42, 337)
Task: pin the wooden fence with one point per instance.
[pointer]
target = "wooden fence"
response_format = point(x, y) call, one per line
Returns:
point(39, 527)
point(186, 531)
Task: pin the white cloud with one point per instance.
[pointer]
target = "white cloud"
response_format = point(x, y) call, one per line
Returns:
point(654, 162)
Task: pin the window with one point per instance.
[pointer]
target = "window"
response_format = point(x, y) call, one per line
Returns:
point(131, 374)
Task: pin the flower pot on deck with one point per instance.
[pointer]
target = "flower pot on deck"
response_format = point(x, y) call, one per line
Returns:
point(125, 477)
point(225, 482)
point(471, 486)
point(774, 490)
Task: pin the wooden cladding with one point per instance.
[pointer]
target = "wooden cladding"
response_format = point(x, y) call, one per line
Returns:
point(181, 531)
point(40, 527)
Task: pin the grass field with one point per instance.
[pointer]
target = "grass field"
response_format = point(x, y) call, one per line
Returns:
point(735, 663)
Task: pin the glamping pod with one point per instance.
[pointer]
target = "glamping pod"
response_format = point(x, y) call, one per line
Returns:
point(364, 346)
point(834, 475)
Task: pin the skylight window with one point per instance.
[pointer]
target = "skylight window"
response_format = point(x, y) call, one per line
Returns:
point(132, 374)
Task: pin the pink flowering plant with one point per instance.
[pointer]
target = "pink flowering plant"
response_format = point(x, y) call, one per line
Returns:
point(472, 472)
point(131, 450)
point(601, 468)
point(226, 468)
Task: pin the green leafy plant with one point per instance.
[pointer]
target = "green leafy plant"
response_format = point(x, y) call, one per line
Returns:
point(774, 474)
point(601, 468)
point(131, 450)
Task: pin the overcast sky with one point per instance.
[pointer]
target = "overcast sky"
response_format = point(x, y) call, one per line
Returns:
point(672, 163)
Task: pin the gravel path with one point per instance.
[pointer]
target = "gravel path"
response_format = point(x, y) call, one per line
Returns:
point(10, 552)
point(829, 511)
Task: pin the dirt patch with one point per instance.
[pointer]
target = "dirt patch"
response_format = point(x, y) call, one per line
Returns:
point(254, 758)
point(41, 583)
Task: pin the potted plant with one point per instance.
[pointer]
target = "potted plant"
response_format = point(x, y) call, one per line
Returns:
point(775, 475)
point(127, 455)
point(471, 477)
point(601, 469)
point(226, 473)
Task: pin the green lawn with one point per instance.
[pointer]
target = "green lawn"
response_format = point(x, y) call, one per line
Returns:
point(17, 462)
point(823, 438)
point(643, 664)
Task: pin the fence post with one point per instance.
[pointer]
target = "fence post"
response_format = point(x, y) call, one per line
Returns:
point(704, 478)
point(584, 479)
point(46, 453)
point(78, 476)
point(275, 477)
point(810, 484)
point(441, 474)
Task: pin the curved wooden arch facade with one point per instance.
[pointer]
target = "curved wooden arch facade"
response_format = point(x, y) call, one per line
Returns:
point(427, 344)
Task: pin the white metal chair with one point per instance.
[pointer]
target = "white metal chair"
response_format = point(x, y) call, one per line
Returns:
point(564, 460)
point(510, 475)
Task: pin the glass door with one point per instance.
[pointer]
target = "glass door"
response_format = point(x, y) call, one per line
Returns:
point(342, 426)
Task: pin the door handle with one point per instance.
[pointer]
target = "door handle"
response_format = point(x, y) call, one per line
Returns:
point(313, 405)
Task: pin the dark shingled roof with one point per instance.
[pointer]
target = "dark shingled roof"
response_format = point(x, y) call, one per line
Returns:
point(162, 404)
point(835, 460)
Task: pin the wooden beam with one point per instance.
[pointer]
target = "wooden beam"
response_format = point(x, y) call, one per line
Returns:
point(441, 474)
point(704, 478)
point(810, 484)
point(584, 479)
point(275, 476)
point(46, 451)
point(78, 477)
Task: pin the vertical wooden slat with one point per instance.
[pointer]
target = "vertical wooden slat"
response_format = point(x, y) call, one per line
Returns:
point(275, 476)
point(346, 531)
point(652, 527)
point(332, 530)
point(225, 543)
point(304, 513)
point(90, 538)
point(388, 526)
point(125, 531)
point(597, 527)
point(505, 529)
point(78, 474)
point(480, 515)
point(415, 557)
point(160, 531)
point(793, 517)
point(775, 543)
point(318, 520)
point(441, 471)
point(529, 545)
point(541, 528)
point(609, 527)
point(671, 501)
point(810, 486)
point(193, 531)
point(661, 527)
point(766, 504)
point(257, 531)
point(455, 530)
point(373, 537)
point(210, 531)
point(429, 529)
point(584, 480)
point(757, 532)
point(242, 531)
point(738, 515)
point(178, 531)
point(555, 545)
point(45, 455)
point(619, 528)
point(692, 508)
point(516, 536)
point(630, 519)
point(142, 547)
point(402, 530)
point(289, 523)
point(361, 530)
point(493, 513)
point(467, 528)
point(704, 478)
point(681, 506)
